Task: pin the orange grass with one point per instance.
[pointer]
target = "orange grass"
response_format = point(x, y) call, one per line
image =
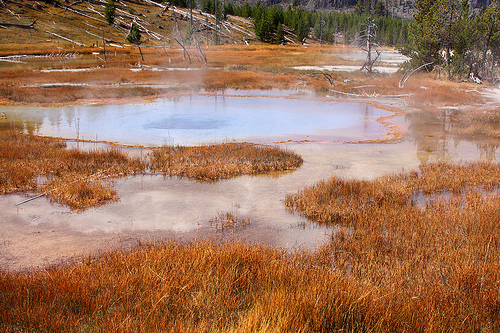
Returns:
point(222, 161)
point(246, 79)
point(391, 266)
point(75, 178)
point(71, 177)
point(434, 265)
point(427, 90)
point(204, 287)
point(339, 200)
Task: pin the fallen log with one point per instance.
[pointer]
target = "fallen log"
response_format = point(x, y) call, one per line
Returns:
point(24, 5)
point(24, 26)
point(65, 38)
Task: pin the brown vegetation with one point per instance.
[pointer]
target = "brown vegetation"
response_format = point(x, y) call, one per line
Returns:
point(425, 244)
point(363, 281)
point(228, 221)
point(44, 165)
point(74, 178)
point(222, 161)
point(198, 287)
point(416, 251)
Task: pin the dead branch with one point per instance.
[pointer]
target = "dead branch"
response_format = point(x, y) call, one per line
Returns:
point(153, 3)
point(79, 12)
point(93, 26)
point(347, 94)
point(406, 76)
point(123, 13)
point(184, 50)
point(165, 9)
point(100, 37)
point(10, 11)
point(69, 6)
point(24, 5)
point(202, 56)
point(150, 32)
point(326, 75)
point(24, 26)
point(65, 38)
point(368, 95)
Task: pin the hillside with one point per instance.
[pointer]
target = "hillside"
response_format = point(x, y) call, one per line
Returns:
point(83, 24)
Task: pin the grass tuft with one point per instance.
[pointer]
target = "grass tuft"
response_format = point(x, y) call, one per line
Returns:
point(30, 163)
point(223, 161)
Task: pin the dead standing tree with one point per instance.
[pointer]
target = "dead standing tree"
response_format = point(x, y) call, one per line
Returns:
point(368, 38)
point(187, 40)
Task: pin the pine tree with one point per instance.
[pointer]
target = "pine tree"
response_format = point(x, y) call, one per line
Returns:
point(487, 43)
point(423, 47)
point(134, 35)
point(109, 12)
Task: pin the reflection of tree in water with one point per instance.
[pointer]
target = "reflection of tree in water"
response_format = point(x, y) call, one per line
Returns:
point(488, 150)
point(15, 123)
point(437, 133)
point(54, 117)
point(432, 134)
point(366, 118)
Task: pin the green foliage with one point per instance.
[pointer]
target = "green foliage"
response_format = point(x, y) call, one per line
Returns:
point(269, 23)
point(179, 3)
point(215, 7)
point(228, 9)
point(448, 34)
point(134, 36)
point(109, 12)
point(360, 8)
point(380, 9)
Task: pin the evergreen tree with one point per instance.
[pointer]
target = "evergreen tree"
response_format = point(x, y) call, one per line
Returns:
point(228, 9)
point(109, 12)
point(360, 7)
point(302, 30)
point(246, 11)
point(380, 9)
point(447, 33)
point(488, 25)
point(423, 46)
point(134, 35)
point(319, 28)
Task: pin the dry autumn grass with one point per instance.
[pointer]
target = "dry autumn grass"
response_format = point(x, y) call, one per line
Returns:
point(425, 244)
point(30, 163)
point(227, 160)
point(75, 178)
point(197, 287)
point(410, 252)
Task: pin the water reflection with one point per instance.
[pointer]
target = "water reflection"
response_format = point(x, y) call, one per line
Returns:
point(438, 135)
point(190, 120)
point(183, 207)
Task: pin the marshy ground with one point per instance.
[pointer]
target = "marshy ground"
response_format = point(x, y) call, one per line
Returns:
point(389, 262)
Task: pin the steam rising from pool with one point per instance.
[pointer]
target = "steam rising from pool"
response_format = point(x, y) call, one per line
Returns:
point(199, 119)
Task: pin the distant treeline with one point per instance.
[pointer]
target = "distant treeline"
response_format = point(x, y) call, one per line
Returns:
point(330, 27)
point(448, 36)
point(271, 21)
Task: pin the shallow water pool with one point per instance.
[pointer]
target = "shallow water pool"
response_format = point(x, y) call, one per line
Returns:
point(200, 119)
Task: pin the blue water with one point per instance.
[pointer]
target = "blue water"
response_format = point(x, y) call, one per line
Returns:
point(198, 119)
